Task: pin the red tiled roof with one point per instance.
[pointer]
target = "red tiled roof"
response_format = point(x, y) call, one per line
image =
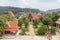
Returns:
point(26, 15)
point(33, 15)
point(10, 13)
point(11, 26)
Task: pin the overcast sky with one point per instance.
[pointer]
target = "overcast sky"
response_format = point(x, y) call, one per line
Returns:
point(38, 4)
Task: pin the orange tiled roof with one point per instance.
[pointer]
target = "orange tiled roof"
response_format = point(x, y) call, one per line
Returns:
point(10, 13)
point(33, 15)
point(11, 26)
point(26, 15)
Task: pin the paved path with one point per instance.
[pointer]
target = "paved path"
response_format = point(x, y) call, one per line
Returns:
point(31, 32)
point(25, 37)
point(30, 38)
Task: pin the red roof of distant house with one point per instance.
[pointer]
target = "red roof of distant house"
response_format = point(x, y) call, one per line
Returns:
point(33, 15)
point(10, 13)
point(26, 15)
point(11, 26)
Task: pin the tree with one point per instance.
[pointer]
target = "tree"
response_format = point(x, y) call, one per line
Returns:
point(8, 18)
point(47, 21)
point(2, 24)
point(24, 27)
point(36, 22)
point(20, 22)
point(43, 30)
point(26, 23)
point(54, 17)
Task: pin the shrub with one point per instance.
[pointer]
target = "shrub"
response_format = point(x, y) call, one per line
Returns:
point(53, 30)
point(43, 30)
point(24, 30)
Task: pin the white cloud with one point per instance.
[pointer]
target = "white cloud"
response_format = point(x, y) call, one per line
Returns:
point(40, 5)
point(58, 0)
point(30, 4)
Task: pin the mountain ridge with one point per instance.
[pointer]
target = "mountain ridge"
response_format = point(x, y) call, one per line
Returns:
point(5, 9)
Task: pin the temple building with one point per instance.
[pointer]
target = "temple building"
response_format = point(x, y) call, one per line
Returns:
point(58, 23)
point(10, 13)
point(31, 15)
point(12, 26)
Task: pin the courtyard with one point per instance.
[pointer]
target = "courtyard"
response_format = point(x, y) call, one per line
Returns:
point(25, 37)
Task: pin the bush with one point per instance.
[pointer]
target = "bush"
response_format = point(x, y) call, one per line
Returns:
point(24, 30)
point(43, 30)
point(53, 30)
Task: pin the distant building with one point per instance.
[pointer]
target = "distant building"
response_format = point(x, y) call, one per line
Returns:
point(33, 15)
point(10, 13)
point(58, 23)
point(11, 27)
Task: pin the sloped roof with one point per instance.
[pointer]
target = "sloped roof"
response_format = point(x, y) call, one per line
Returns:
point(10, 13)
point(33, 15)
point(11, 26)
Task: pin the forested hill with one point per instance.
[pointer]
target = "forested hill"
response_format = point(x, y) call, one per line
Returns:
point(53, 10)
point(16, 9)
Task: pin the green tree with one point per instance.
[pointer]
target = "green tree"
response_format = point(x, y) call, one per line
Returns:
point(43, 30)
point(2, 24)
point(26, 23)
point(54, 17)
point(8, 18)
point(53, 30)
point(36, 22)
point(20, 22)
point(47, 21)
